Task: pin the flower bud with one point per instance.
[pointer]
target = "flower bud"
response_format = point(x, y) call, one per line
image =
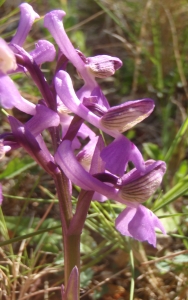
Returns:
point(103, 66)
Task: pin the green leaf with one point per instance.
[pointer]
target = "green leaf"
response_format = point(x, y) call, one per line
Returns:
point(17, 166)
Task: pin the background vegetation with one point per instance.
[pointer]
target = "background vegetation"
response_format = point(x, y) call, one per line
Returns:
point(151, 38)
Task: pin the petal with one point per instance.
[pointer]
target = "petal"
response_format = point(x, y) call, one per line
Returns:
point(103, 66)
point(25, 138)
point(43, 119)
point(127, 115)
point(76, 173)
point(44, 51)
point(139, 223)
point(10, 96)
point(86, 154)
point(140, 186)
point(119, 153)
point(53, 22)
point(7, 58)
point(27, 18)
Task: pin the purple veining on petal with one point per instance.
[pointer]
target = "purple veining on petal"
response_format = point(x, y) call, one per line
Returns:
point(138, 186)
point(127, 115)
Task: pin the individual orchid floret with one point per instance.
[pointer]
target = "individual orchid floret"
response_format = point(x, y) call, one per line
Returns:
point(7, 58)
point(76, 173)
point(44, 52)
point(10, 96)
point(27, 18)
point(53, 22)
point(71, 292)
point(99, 66)
point(135, 111)
point(139, 223)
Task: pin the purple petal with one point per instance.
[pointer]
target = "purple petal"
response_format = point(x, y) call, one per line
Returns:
point(127, 115)
point(103, 66)
point(25, 138)
point(10, 96)
point(76, 173)
point(7, 58)
point(119, 153)
point(138, 186)
point(43, 119)
point(53, 22)
point(139, 223)
point(44, 51)
point(27, 18)
point(86, 154)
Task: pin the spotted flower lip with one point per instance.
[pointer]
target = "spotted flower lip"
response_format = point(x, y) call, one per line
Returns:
point(28, 16)
point(101, 66)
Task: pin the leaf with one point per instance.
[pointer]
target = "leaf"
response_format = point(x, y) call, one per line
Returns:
point(16, 167)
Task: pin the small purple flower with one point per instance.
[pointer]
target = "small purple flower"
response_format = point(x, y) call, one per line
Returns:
point(141, 185)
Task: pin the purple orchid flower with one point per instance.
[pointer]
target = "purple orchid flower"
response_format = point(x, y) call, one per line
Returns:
point(131, 190)
point(88, 68)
